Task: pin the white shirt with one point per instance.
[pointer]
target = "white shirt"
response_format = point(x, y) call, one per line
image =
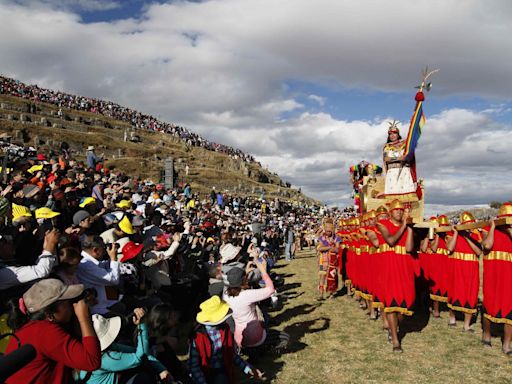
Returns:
point(12, 276)
point(99, 274)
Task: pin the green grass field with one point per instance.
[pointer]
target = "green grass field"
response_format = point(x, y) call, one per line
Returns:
point(333, 342)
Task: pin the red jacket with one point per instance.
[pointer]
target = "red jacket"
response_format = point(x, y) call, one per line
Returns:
point(204, 347)
point(57, 354)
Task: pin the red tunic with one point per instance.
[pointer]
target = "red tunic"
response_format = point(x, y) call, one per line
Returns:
point(464, 280)
point(438, 273)
point(57, 353)
point(397, 274)
point(498, 280)
point(363, 266)
point(377, 262)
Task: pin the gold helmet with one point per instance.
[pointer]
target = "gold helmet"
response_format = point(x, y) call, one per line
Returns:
point(396, 204)
point(467, 217)
point(381, 210)
point(443, 220)
point(371, 215)
point(505, 210)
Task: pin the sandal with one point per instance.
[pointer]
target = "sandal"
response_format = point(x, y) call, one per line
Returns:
point(486, 343)
point(398, 349)
point(469, 330)
point(452, 325)
point(508, 353)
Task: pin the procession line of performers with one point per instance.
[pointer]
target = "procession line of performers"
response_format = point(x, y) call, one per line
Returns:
point(377, 257)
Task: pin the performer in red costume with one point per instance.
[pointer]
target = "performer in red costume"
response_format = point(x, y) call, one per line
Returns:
point(497, 246)
point(397, 269)
point(463, 267)
point(438, 269)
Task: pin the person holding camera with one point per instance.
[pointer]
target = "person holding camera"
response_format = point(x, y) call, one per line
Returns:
point(40, 318)
point(100, 274)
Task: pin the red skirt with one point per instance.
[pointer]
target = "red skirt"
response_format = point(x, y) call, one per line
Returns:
point(464, 282)
point(498, 290)
point(439, 274)
point(398, 285)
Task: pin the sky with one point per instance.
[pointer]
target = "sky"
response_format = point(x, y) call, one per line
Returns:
point(308, 87)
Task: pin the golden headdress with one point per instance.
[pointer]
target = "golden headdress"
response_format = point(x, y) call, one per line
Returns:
point(443, 220)
point(505, 210)
point(393, 127)
point(467, 217)
point(395, 204)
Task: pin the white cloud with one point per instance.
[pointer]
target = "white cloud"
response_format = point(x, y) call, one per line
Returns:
point(220, 68)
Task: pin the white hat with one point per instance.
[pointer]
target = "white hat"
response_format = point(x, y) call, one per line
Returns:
point(228, 252)
point(106, 329)
point(90, 148)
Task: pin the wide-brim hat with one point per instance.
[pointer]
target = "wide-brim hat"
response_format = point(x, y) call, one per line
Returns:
point(48, 291)
point(124, 204)
point(86, 201)
point(130, 251)
point(106, 329)
point(228, 252)
point(90, 148)
point(214, 311)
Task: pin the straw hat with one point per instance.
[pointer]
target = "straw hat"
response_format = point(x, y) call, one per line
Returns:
point(228, 252)
point(214, 311)
point(106, 329)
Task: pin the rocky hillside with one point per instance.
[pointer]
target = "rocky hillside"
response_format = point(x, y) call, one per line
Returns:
point(142, 154)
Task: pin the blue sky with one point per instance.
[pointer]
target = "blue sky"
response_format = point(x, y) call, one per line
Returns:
point(307, 87)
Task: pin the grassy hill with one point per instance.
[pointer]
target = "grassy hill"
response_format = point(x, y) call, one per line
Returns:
point(45, 129)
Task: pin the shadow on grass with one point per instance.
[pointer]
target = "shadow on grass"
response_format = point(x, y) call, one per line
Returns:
point(299, 329)
point(303, 309)
point(288, 286)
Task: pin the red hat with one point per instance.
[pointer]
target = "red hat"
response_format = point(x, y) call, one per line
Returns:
point(130, 251)
point(51, 178)
point(41, 157)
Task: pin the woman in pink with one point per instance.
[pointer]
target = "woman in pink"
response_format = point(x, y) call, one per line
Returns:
point(249, 331)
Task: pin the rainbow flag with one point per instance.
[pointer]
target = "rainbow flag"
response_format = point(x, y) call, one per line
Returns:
point(417, 122)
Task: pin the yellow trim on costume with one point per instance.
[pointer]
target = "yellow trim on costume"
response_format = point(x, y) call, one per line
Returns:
point(348, 282)
point(397, 249)
point(463, 256)
point(442, 299)
point(498, 320)
point(373, 250)
point(442, 251)
point(403, 311)
point(365, 248)
point(462, 309)
point(498, 255)
point(377, 304)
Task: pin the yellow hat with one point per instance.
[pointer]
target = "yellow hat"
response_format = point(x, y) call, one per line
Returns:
point(356, 221)
point(467, 217)
point(443, 220)
point(395, 204)
point(126, 226)
point(45, 213)
point(505, 210)
point(371, 215)
point(214, 311)
point(124, 204)
point(87, 201)
point(381, 210)
point(19, 211)
point(35, 168)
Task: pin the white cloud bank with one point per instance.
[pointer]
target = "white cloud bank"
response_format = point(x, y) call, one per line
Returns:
point(220, 68)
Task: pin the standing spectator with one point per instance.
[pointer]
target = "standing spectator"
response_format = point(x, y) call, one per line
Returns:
point(92, 158)
point(289, 240)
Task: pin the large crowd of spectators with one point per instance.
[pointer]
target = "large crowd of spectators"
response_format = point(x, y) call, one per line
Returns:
point(137, 119)
point(99, 272)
